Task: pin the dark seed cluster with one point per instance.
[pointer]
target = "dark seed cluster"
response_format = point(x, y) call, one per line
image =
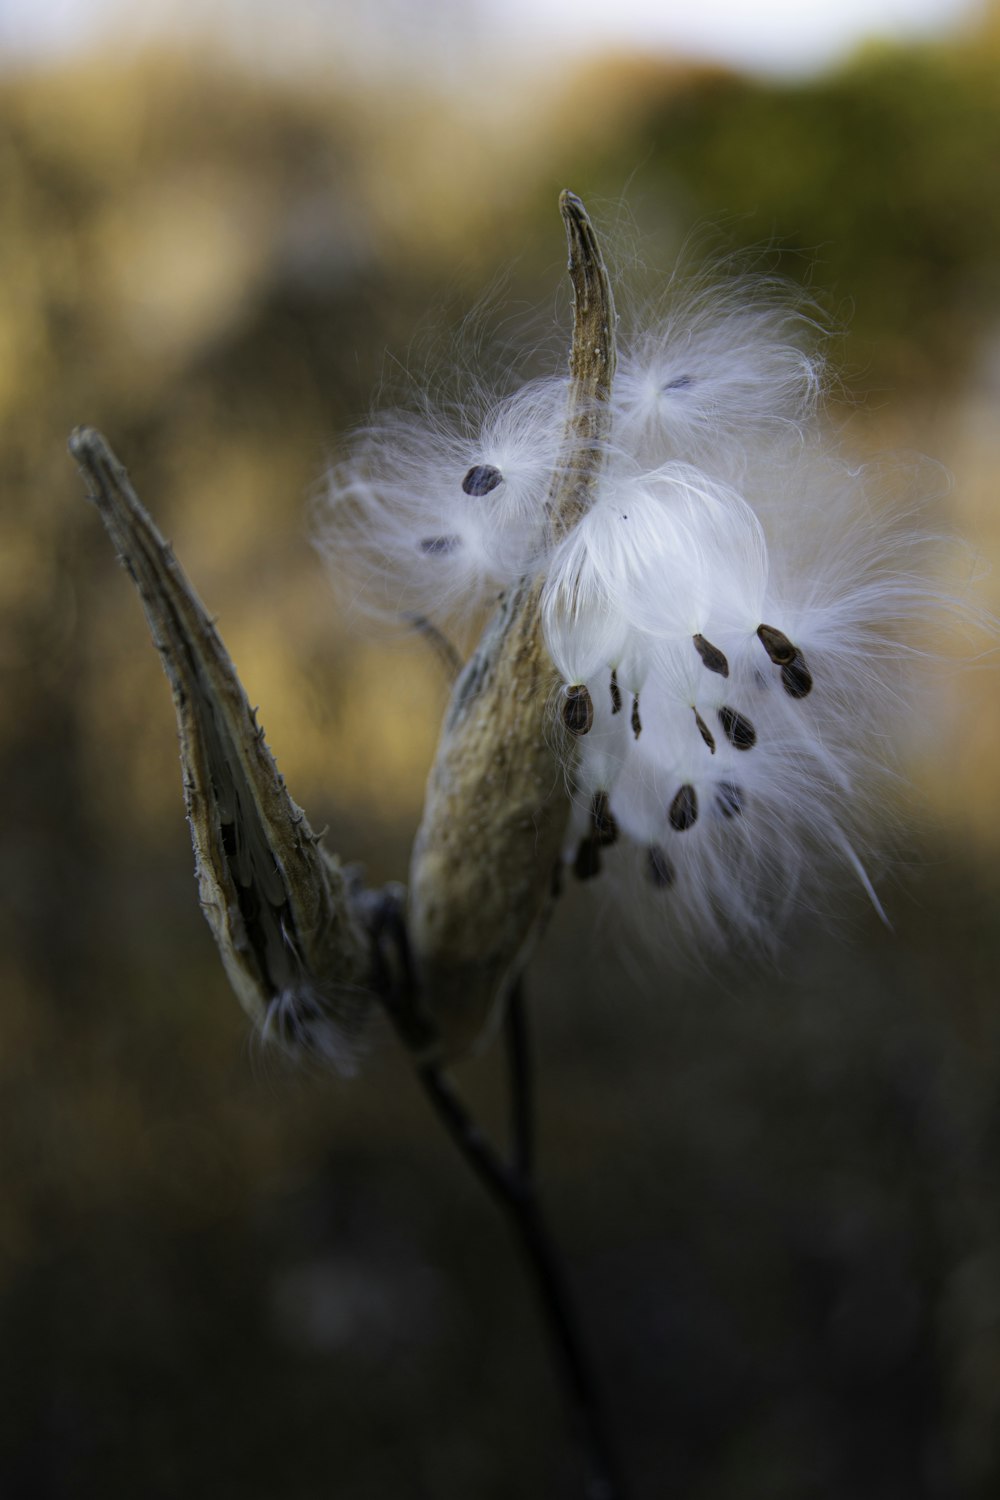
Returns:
point(728, 798)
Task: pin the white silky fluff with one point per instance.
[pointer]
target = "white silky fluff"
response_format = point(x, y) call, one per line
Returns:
point(724, 368)
point(399, 524)
point(739, 768)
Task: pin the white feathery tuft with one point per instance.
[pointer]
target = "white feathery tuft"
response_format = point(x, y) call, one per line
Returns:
point(306, 1025)
point(723, 367)
point(742, 605)
point(435, 511)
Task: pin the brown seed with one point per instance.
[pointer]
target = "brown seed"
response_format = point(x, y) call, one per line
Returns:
point(796, 678)
point(439, 546)
point(704, 730)
point(729, 799)
point(480, 479)
point(659, 868)
point(737, 728)
point(604, 829)
point(684, 809)
point(616, 694)
point(578, 710)
point(588, 860)
point(636, 721)
point(711, 656)
point(777, 645)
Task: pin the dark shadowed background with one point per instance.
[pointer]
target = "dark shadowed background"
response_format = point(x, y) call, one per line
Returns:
point(777, 1189)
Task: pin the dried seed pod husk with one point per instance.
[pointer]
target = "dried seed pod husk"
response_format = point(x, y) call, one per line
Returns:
point(278, 904)
point(497, 801)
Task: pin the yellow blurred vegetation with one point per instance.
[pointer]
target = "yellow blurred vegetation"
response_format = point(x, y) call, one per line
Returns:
point(217, 270)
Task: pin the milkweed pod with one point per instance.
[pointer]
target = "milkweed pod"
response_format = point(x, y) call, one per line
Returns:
point(497, 801)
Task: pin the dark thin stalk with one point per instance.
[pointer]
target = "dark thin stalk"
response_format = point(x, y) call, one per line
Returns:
point(510, 1184)
point(522, 1092)
point(515, 1194)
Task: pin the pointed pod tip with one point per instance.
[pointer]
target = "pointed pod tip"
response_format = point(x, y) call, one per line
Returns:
point(81, 440)
point(579, 229)
point(87, 446)
point(95, 458)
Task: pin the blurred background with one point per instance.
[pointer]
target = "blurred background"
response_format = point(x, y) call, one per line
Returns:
point(222, 227)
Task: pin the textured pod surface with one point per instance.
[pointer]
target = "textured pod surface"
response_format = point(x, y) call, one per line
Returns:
point(494, 819)
point(497, 800)
point(276, 902)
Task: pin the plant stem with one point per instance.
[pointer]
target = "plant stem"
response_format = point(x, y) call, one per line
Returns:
point(520, 1073)
point(512, 1186)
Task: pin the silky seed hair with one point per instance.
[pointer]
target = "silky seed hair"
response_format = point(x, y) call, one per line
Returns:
point(433, 511)
point(734, 617)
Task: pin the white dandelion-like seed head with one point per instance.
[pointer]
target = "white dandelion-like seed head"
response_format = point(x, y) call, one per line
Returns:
point(729, 616)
